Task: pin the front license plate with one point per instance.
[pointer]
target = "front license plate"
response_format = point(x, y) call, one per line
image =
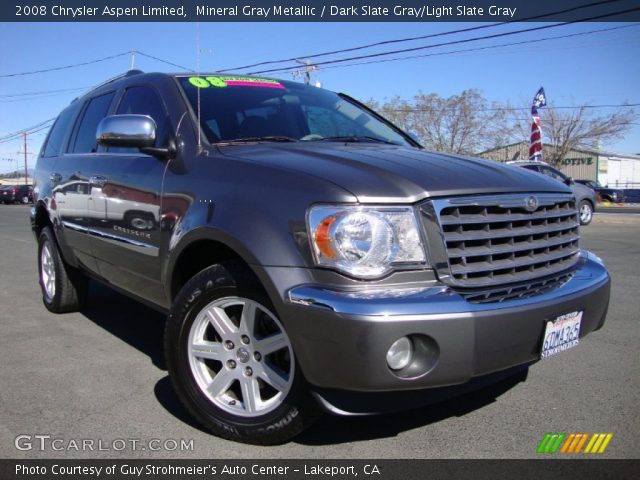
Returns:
point(561, 334)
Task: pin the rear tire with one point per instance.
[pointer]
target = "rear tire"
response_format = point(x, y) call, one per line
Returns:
point(64, 289)
point(231, 361)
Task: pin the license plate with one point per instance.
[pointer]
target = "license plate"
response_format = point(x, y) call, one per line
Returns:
point(561, 334)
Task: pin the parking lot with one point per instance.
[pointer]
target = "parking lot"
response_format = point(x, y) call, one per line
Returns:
point(100, 375)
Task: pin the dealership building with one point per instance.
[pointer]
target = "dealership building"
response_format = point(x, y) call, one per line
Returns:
point(619, 170)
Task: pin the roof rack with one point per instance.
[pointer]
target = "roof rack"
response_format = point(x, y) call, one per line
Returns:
point(128, 73)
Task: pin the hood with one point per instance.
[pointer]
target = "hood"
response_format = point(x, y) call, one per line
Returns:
point(376, 172)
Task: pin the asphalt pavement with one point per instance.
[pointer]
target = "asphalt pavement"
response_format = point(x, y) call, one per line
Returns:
point(100, 376)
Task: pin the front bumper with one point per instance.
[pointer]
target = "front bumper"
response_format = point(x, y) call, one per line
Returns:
point(341, 338)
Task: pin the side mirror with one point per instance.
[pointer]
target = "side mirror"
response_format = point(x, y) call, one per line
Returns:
point(569, 181)
point(133, 131)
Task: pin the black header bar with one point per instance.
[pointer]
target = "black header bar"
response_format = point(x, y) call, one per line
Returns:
point(319, 10)
point(592, 469)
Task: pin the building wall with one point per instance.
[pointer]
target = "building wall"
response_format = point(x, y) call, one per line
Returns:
point(609, 169)
point(619, 172)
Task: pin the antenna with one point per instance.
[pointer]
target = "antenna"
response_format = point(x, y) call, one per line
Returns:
point(198, 74)
point(133, 59)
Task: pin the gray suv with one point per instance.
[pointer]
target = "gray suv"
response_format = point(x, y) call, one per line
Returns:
point(309, 255)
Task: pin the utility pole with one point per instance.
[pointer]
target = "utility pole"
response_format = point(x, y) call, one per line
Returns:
point(26, 171)
point(133, 58)
point(306, 72)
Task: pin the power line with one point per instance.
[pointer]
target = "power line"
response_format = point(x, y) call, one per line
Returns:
point(34, 97)
point(453, 42)
point(26, 94)
point(32, 129)
point(164, 61)
point(512, 109)
point(488, 47)
point(90, 62)
point(421, 37)
point(64, 67)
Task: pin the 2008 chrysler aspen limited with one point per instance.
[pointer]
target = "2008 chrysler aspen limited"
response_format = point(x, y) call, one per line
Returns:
point(309, 254)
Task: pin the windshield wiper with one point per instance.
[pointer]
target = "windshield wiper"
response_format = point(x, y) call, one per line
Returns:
point(265, 138)
point(355, 139)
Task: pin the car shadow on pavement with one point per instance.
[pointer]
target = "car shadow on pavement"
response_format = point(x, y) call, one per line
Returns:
point(134, 323)
point(143, 328)
point(335, 430)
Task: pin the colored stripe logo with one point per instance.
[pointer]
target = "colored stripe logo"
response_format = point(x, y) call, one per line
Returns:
point(573, 443)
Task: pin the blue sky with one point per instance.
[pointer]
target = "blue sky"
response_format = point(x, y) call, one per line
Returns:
point(602, 68)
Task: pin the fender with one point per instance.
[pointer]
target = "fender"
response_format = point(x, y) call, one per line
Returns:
point(217, 235)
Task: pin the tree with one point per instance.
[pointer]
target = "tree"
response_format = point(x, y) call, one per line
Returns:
point(565, 130)
point(461, 124)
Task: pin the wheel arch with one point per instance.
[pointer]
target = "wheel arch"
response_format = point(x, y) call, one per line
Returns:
point(207, 246)
point(40, 218)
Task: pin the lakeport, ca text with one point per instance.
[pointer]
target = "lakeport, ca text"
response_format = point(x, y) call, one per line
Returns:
point(200, 470)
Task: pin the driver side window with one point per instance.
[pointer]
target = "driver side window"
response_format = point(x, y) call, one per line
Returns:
point(143, 101)
point(553, 174)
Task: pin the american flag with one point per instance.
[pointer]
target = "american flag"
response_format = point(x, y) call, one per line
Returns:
point(535, 147)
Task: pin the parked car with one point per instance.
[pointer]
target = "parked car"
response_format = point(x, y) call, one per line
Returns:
point(605, 194)
point(16, 194)
point(310, 256)
point(585, 196)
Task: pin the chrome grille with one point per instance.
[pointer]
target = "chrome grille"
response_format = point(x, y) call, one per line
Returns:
point(528, 289)
point(496, 240)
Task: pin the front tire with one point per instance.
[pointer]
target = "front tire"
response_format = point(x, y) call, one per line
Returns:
point(585, 212)
point(232, 363)
point(64, 289)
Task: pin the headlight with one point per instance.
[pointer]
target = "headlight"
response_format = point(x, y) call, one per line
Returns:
point(365, 242)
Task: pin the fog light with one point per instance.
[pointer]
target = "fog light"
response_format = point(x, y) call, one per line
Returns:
point(399, 354)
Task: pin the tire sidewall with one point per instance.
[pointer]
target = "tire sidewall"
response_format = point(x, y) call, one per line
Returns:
point(259, 429)
point(583, 203)
point(47, 238)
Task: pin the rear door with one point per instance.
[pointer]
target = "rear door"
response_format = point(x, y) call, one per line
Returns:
point(126, 205)
point(73, 183)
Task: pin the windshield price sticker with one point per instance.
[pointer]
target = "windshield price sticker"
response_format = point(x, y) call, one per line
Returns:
point(561, 334)
point(221, 81)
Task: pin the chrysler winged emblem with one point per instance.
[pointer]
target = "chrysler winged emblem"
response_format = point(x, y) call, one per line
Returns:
point(531, 203)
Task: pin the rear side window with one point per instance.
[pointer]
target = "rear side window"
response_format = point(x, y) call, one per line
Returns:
point(97, 109)
point(58, 132)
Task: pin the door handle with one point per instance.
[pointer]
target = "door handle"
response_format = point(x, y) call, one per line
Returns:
point(55, 177)
point(98, 180)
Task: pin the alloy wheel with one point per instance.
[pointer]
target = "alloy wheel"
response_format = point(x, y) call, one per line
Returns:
point(240, 356)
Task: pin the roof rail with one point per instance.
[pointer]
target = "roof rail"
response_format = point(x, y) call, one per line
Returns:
point(128, 73)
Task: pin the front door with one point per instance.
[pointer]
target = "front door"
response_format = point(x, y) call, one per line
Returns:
point(125, 201)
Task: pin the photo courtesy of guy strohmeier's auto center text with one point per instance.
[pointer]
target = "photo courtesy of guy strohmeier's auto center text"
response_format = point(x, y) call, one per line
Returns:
point(319, 239)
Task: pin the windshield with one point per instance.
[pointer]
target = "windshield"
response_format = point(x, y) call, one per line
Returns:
point(235, 108)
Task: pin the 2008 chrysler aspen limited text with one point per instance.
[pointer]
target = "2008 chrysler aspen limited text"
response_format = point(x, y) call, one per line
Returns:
point(310, 255)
